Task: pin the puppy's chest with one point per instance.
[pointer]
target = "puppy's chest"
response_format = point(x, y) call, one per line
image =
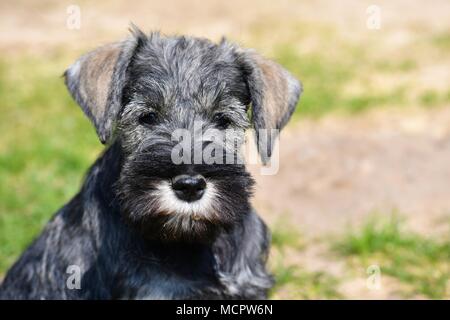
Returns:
point(162, 281)
point(159, 285)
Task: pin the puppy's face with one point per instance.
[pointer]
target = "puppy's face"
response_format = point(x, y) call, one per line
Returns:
point(198, 89)
point(178, 107)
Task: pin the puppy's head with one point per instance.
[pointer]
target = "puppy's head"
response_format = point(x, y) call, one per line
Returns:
point(178, 108)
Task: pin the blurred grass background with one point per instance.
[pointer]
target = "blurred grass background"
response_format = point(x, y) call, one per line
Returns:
point(46, 144)
point(45, 150)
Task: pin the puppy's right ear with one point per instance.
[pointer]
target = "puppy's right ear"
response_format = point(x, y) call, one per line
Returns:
point(96, 81)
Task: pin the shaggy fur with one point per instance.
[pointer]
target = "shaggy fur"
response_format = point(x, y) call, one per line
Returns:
point(125, 229)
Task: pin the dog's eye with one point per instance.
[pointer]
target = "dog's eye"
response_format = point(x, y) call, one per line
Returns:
point(148, 119)
point(222, 121)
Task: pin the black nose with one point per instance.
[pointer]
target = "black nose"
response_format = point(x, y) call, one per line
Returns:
point(189, 188)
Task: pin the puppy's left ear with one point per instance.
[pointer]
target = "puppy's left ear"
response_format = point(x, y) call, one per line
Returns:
point(96, 81)
point(274, 94)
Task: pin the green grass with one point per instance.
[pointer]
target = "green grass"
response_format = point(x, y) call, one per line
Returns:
point(433, 98)
point(441, 40)
point(285, 236)
point(326, 77)
point(394, 66)
point(292, 281)
point(360, 103)
point(46, 145)
point(423, 264)
point(322, 79)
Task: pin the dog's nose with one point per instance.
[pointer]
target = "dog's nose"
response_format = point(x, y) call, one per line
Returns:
point(189, 188)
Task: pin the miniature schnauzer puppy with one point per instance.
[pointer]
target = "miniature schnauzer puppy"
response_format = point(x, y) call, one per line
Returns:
point(145, 226)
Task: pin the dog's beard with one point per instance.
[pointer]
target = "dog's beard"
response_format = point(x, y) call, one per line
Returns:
point(203, 209)
point(150, 205)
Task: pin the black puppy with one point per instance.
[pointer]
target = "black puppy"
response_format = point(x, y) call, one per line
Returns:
point(152, 221)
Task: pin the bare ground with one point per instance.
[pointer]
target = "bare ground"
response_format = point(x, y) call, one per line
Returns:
point(38, 26)
point(336, 171)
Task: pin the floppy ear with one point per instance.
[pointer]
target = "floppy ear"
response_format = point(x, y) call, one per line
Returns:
point(274, 94)
point(96, 81)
